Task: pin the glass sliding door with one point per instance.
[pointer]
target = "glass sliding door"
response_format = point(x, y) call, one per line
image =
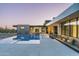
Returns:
point(78, 27)
point(66, 28)
point(73, 25)
point(70, 27)
point(62, 29)
point(55, 30)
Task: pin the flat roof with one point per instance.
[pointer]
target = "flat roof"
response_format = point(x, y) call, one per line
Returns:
point(70, 10)
point(29, 25)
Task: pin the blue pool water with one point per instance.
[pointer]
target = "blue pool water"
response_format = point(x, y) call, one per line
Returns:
point(26, 37)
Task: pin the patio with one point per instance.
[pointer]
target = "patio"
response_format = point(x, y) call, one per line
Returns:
point(45, 47)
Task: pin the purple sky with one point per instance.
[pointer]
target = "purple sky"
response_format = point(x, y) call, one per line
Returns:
point(29, 13)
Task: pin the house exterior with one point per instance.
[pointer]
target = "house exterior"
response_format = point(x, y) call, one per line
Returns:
point(30, 28)
point(65, 26)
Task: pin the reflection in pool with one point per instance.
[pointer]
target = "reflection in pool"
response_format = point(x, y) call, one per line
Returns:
point(26, 37)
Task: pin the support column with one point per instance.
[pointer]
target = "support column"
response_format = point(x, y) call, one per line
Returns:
point(59, 29)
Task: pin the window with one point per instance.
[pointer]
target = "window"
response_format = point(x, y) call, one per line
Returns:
point(73, 25)
point(62, 28)
point(66, 28)
point(78, 27)
point(69, 28)
point(22, 27)
point(55, 30)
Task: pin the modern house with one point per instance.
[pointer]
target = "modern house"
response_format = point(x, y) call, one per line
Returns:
point(29, 32)
point(65, 26)
point(30, 28)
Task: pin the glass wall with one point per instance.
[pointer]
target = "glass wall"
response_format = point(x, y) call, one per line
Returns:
point(73, 24)
point(66, 28)
point(78, 27)
point(69, 28)
point(62, 28)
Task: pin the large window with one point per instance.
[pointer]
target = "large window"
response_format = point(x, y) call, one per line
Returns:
point(73, 25)
point(62, 28)
point(69, 28)
point(78, 27)
point(66, 28)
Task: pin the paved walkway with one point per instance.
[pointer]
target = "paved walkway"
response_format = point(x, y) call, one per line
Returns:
point(52, 47)
point(47, 47)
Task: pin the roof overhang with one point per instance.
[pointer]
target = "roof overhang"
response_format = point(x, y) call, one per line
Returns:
point(29, 25)
point(68, 13)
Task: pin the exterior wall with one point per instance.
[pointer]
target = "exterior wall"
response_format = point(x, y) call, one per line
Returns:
point(30, 29)
point(50, 29)
point(67, 26)
point(70, 33)
point(23, 29)
point(69, 14)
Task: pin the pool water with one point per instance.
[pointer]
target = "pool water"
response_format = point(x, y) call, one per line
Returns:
point(26, 37)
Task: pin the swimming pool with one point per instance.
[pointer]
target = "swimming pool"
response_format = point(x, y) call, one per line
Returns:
point(26, 37)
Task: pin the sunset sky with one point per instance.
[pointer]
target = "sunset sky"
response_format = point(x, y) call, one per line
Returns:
point(29, 13)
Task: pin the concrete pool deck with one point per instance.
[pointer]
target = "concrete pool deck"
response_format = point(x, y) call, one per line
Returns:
point(47, 47)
